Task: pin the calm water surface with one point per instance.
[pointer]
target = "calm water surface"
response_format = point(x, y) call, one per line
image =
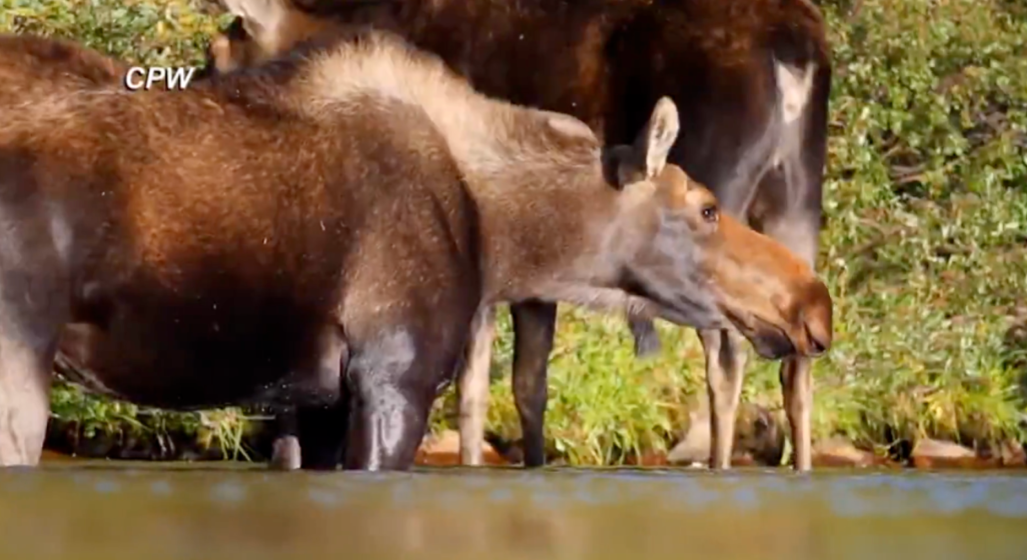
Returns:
point(150, 512)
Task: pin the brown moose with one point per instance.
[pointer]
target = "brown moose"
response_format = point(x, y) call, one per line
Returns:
point(751, 78)
point(322, 230)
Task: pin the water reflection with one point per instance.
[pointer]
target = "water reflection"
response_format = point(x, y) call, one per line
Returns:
point(154, 512)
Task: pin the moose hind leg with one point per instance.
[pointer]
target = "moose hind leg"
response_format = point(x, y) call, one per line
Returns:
point(725, 368)
point(646, 338)
point(322, 434)
point(285, 450)
point(311, 425)
point(534, 325)
point(473, 386)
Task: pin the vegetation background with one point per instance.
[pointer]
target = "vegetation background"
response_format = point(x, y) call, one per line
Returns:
point(925, 249)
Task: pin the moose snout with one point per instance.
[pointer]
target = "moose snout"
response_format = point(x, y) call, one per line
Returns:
point(816, 315)
point(805, 331)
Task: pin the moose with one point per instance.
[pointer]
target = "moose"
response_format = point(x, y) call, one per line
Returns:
point(34, 66)
point(323, 229)
point(752, 80)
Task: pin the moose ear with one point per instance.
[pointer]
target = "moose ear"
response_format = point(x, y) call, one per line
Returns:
point(260, 18)
point(654, 142)
point(219, 54)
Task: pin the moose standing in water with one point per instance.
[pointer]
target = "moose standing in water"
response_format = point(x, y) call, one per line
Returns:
point(752, 78)
point(322, 229)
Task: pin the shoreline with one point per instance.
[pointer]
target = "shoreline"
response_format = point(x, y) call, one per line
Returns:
point(67, 442)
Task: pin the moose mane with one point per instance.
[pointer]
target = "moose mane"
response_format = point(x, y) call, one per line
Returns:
point(344, 70)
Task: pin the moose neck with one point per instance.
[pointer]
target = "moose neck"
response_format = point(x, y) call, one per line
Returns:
point(547, 227)
point(549, 220)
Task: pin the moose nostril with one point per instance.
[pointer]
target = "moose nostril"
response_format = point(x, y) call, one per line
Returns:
point(816, 318)
point(816, 346)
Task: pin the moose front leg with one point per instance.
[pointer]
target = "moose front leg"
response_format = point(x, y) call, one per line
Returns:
point(797, 386)
point(725, 368)
point(798, 230)
point(25, 382)
point(33, 308)
point(392, 386)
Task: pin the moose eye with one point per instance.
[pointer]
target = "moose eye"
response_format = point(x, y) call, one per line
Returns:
point(709, 213)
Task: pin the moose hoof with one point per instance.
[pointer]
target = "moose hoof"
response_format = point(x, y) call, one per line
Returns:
point(285, 454)
point(647, 339)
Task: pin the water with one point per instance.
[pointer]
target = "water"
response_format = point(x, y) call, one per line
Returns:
point(132, 511)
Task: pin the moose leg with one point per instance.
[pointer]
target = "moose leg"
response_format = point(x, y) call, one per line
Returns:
point(473, 386)
point(799, 233)
point(797, 389)
point(32, 309)
point(392, 386)
point(321, 431)
point(725, 367)
point(311, 424)
point(285, 451)
point(25, 382)
point(647, 339)
point(534, 324)
point(797, 222)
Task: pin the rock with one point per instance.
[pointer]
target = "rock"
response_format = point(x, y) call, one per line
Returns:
point(759, 435)
point(840, 452)
point(444, 450)
point(647, 459)
point(932, 454)
point(694, 447)
point(1012, 453)
point(759, 439)
point(927, 447)
point(1007, 453)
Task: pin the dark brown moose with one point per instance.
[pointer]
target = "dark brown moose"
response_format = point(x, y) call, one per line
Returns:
point(322, 230)
point(751, 78)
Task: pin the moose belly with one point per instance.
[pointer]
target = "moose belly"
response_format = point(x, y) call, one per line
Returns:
point(181, 371)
